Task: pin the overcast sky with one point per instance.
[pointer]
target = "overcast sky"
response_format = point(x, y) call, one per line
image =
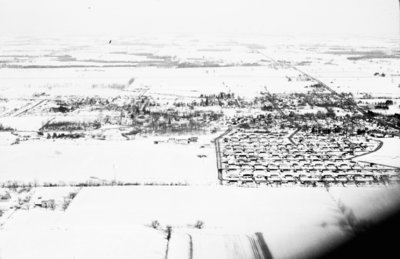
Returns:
point(130, 17)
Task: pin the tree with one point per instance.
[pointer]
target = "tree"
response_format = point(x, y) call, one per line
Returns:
point(331, 113)
point(389, 102)
point(155, 224)
point(199, 224)
point(320, 115)
point(66, 203)
point(169, 232)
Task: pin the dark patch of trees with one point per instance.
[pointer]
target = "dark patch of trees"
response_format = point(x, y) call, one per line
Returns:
point(70, 126)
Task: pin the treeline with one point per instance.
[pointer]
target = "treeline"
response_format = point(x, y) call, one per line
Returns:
point(20, 184)
point(62, 135)
point(318, 115)
point(221, 99)
point(5, 128)
point(384, 105)
point(70, 126)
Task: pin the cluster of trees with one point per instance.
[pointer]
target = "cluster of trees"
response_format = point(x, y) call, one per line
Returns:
point(319, 115)
point(384, 105)
point(267, 107)
point(199, 64)
point(318, 85)
point(172, 121)
point(61, 108)
point(112, 103)
point(324, 99)
point(70, 126)
point(379, 74)
point(326, 130)
point(395, 119)
point(221, 99)
point(67, 200)
point(93, 101)
point(5, 128)
point(64, 135)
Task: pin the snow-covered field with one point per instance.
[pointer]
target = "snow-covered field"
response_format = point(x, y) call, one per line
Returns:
point(238, 209)
point(6, 138)
point(26, 123)
point(206, 244)
point(389, 154)
point(292, 220)
point(114, 221)
point(139, 160)
point(244, 81)
point(19, 239)
point(344, 64)
point(347, 65)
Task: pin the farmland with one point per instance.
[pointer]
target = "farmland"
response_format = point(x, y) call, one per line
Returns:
point(290, 223)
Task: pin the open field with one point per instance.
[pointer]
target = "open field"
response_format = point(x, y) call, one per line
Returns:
point(186, 82)
point(56, 241)
point(345, 64)
point(295, 222)
point(223, 211)
point(136, 161)
point(389, 154)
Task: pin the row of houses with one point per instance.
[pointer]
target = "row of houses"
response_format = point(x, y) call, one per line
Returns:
point(277, 153)
point(304, 178)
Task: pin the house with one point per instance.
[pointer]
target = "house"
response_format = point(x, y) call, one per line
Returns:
point(260, 167)
point(284, 167)
point(246, 175)
point(193, 139)
point(304, 179)
point(289, 179)
point(341, 178)
point(260, 175)
point(4, 195)
point(362, 179)
point(233, 167)
point(232, 175)
point(344, 166)
point(182, 141)
point(247, 167)
point(327, 178)
point(318, 165)
point(48, 204)
point(274, 178)
point(272, 167)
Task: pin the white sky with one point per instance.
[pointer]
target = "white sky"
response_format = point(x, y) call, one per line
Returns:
point(129, 17)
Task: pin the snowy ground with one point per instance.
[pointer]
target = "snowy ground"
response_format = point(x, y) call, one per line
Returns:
point(291, 219)
point(344, 64)
point(56, 241)
point(136, 161)
point(207, 244)
point(389, 154)
point(103, 221)
point(244, 81)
